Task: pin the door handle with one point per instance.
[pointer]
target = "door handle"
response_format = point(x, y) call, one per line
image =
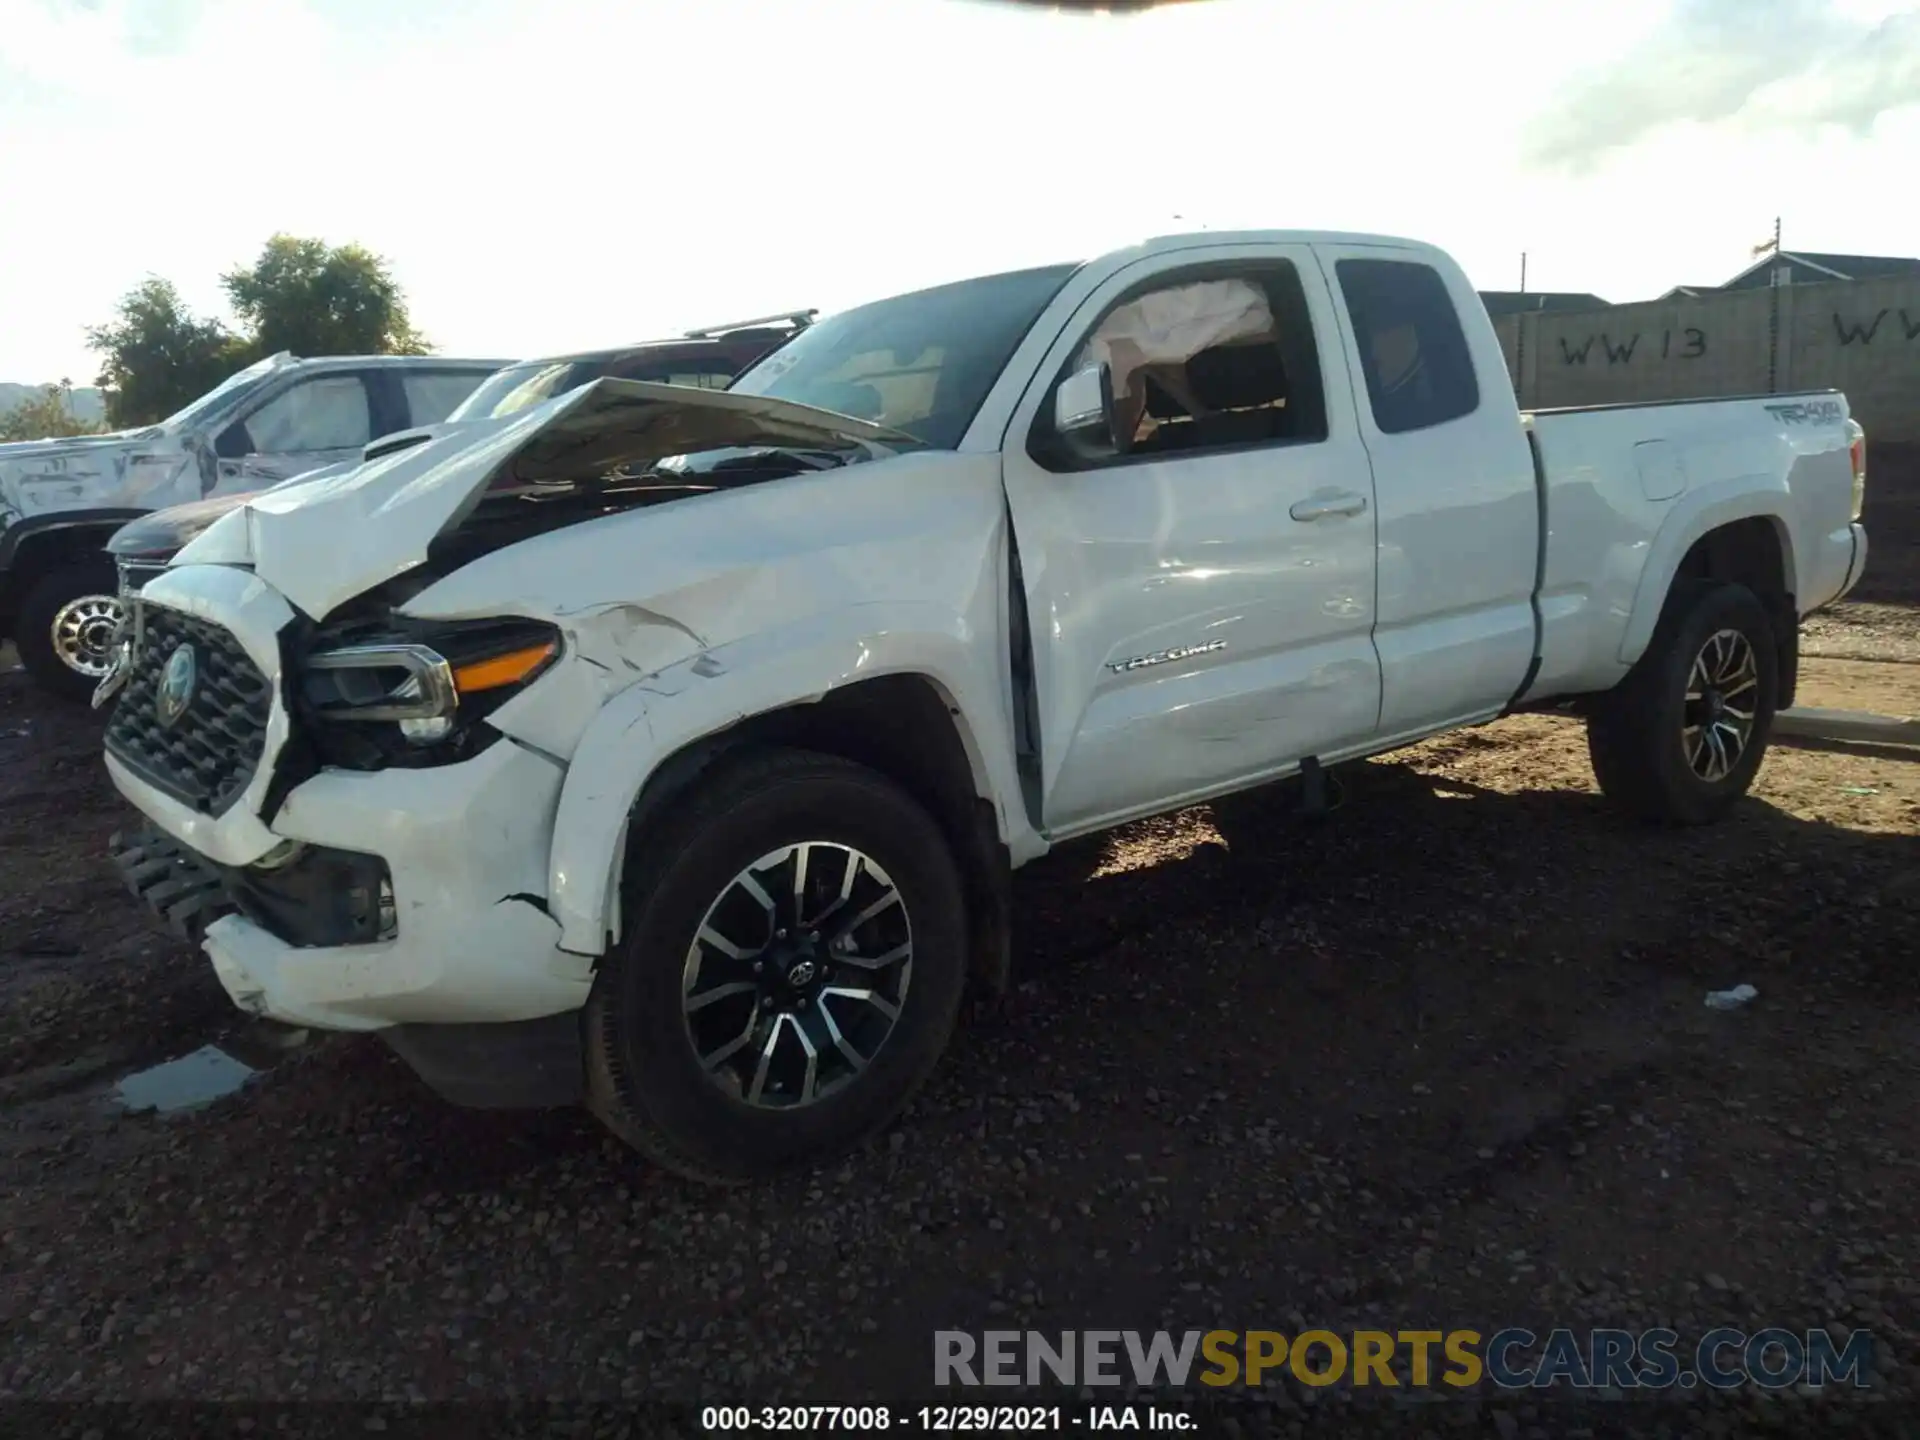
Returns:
point(1325, 507)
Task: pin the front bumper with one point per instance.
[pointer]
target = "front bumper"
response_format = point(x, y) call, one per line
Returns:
point(463, 850)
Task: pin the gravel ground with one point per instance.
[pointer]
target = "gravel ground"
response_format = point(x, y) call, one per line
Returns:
point(1440, 1059)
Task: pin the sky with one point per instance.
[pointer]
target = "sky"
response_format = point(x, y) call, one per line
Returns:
point(574, 173)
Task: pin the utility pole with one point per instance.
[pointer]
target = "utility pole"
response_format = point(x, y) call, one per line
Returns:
point(1523, 272)
point(1773, 314)
point(1773, 246)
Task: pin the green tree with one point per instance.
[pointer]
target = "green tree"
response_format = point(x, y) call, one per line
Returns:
point(315, 299)
point(48, 416)
point(157, 355)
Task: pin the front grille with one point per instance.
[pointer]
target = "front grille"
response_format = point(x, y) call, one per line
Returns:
point(207, 756)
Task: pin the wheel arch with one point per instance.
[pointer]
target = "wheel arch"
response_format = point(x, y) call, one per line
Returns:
point(928, 728)
point(1743, 539)
point(32, 547)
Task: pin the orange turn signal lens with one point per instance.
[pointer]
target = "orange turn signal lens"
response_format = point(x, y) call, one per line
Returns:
point(508, 669)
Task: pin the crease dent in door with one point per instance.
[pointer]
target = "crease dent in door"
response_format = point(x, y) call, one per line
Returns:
point(1345, 375)
point(1145, 562)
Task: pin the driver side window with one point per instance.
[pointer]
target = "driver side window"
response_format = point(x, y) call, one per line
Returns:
point(328, 412)
point(1211, 362)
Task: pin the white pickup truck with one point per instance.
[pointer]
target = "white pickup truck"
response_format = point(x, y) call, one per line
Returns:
point(670, 750)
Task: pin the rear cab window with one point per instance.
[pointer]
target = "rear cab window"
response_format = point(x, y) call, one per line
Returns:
point(1412, 349)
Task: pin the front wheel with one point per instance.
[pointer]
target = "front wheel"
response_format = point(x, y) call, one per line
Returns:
point(791, 969)
point(66, 627)
point(1682, 737)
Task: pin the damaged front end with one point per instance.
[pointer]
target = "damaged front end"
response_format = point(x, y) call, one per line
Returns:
point(375, 686)
point(376, 689)
point(324, 895)
point(599, 449)
point(305, 895)
point(335, 815)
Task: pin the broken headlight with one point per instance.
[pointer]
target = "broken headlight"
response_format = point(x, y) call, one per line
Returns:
point(425, 693)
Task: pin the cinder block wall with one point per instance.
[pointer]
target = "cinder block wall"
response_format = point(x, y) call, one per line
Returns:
point(1862, 337)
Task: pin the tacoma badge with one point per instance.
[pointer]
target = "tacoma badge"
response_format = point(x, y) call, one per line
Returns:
point(1161, 657)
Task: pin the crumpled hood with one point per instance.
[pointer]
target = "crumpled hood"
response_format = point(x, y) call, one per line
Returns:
point(165, 531)
point(329, 538)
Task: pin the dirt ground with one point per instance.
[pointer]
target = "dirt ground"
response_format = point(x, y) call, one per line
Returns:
point(1440, 1059)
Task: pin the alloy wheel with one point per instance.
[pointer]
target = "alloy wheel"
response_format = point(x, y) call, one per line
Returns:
point(796, 975)
point(1723, 687)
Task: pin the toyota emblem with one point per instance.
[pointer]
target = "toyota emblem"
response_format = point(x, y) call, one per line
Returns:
point(177, 684)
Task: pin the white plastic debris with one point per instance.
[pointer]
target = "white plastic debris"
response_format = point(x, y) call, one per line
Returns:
point(1730, 999)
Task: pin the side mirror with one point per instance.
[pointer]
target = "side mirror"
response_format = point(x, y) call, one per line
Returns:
point(1083, 413)
point(233, 443)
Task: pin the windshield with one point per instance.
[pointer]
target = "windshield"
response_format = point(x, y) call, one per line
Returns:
point(922, 363)
point(228, 392)
point(521, 387)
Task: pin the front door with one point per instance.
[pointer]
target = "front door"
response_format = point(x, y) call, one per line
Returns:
point(1200, 606)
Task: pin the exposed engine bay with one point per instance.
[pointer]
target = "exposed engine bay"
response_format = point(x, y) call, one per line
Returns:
point(507, 516)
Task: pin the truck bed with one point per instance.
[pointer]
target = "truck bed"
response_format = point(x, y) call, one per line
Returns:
point(1781, 397)
point(1611, 476)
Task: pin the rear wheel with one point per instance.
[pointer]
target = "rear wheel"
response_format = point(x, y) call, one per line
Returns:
point(791, 970)
point(66, 627)
point(1680, 740)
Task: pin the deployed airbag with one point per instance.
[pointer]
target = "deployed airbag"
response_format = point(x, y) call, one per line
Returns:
point(1172, 326)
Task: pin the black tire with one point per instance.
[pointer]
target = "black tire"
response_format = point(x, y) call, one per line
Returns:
point(645, 1079)
point(1637, 734)
point(33, 629)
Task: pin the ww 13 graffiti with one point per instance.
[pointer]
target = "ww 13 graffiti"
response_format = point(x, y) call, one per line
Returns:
point(1693, 344)
point(1690, 342)
point(1864, 333)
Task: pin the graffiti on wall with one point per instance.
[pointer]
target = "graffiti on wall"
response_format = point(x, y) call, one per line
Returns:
point(1856, 332)
point(1686, 344)
point(1690, 343)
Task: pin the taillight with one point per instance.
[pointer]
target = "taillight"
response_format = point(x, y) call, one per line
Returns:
point(1858, 453)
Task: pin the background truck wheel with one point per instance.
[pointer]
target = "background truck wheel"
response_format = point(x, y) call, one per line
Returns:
point(65, 628)
point(794, 954)
point(1681, 738)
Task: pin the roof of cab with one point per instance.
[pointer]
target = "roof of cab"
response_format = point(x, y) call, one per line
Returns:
point(1189, 239)
point(382, 362)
